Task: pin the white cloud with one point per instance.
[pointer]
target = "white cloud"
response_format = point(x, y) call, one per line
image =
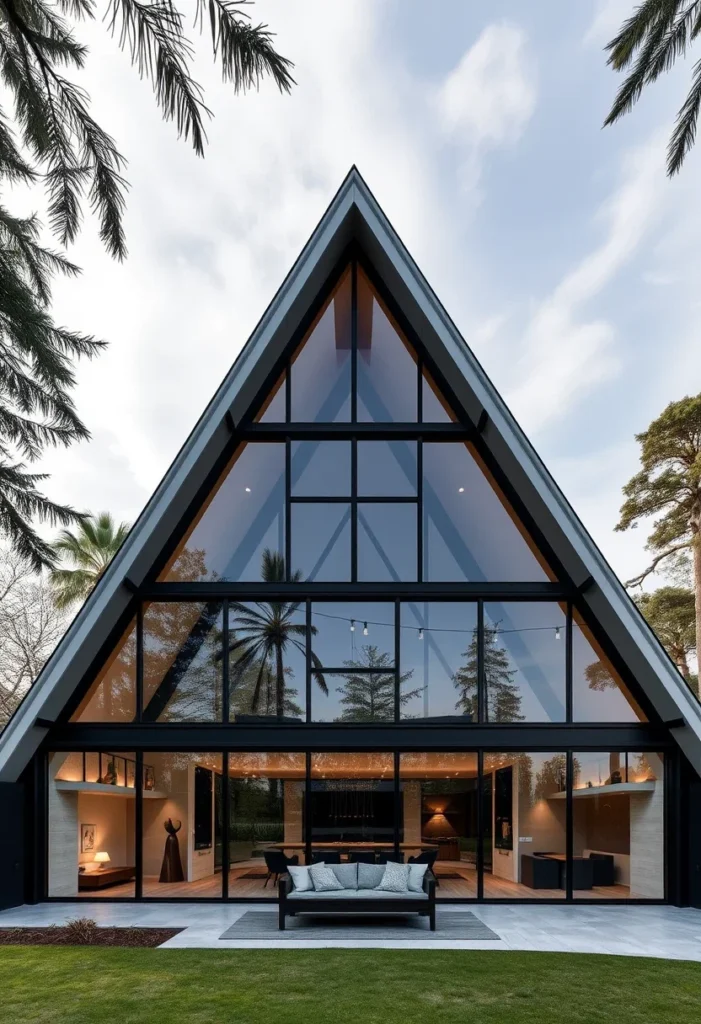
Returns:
point(564, 354)
point(608, 19)
point(488, 99)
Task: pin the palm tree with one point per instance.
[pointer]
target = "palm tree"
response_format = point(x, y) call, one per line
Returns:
point(649, 43)
point(264, 632)
point(89, 551)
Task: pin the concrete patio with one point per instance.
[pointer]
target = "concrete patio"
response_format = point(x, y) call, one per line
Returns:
point(657, 931)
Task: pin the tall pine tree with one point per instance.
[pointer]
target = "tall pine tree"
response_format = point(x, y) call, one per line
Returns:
point(369, 696)
point(503, 699)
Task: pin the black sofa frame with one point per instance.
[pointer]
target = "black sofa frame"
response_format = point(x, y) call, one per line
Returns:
point(288, 907)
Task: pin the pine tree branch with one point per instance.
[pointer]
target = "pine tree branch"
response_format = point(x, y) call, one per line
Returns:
point(637, 581)
point(246, 51)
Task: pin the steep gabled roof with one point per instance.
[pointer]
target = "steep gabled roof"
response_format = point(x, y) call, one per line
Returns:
point(355, 217)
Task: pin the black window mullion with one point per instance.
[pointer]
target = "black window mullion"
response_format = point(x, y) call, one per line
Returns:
point(420, 510)
point(225, 662)
point(480, 824)
point(398, 810)
point(308, 651)
point(397, 659)
point(354, 510)
point(225, 825)
point(568, 665)
point(139, 661)
point(482, 704)
point(419, 389)
point(354, 343)
point(307, 808)
point(288, 392)
point(569, 830)
point(139, 826)
point(288, 509)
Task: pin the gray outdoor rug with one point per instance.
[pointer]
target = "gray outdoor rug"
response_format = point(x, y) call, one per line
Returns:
point(257, 924)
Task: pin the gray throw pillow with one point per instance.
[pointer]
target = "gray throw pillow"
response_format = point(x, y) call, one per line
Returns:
point(323, 878)
point(300, 878)
point(347, 874)
point(395, 878)
point(416, 877)
point(370, 875)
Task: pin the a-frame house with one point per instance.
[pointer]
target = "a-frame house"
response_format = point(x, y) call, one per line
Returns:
point(356, 620)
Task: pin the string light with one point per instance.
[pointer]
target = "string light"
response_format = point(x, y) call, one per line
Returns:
point(438, 629)
point(421, 634)
point(352, 625)
point(557, 632)
point(365, 629)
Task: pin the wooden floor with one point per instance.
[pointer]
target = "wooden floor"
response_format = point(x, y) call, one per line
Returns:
point(240, 887)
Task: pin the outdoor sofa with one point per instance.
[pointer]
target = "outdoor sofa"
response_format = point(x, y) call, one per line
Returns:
point(356, 900)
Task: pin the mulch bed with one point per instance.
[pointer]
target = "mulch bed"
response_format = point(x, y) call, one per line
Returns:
point(57, 935)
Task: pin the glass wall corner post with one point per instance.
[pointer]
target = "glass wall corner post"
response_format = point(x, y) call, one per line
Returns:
point(139, 824)
point(569, 825)
point(480, 825)
point(40, 828)
point(481, 687)
point(225, 826)
point(568, 664)
point(225, 700)
point(307, 809)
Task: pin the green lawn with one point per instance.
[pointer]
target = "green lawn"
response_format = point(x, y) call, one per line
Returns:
point(351, 986)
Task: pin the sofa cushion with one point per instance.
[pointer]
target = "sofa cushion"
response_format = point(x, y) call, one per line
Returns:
point(416, 877)
point(349, 895)
point(301, 879)
point(370, 875)
point(347, 874)
point(323, 878)
point(395, 878)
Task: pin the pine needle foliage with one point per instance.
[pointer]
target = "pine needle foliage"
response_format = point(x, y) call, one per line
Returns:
point(649, 43)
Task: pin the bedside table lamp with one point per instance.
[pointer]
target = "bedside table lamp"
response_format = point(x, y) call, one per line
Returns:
point(102, 858)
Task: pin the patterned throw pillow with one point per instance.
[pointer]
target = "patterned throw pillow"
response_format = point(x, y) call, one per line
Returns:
point(416, 877)
point(370, 875)
point(300, 878)
point(323, 878)
point(395, 878)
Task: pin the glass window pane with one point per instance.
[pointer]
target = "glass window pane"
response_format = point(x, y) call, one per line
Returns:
point(352, 803)
point(266, 819)
point(321, 542)
point(525, 812)
point(342, 630)
point(438, 793)
point(183, 826)
point(321, 367)
point(387, 542)
point(387, 371)
point(524, 662)
point(439, 660)
point(354, 695)
point(435, 407)
point(321, 469)
point(470, 533)
point(273, 408)
point(112, 697)
point(618, 809)
point(267, 661)
point(91, 825)
point(183, 662)
point(387, 469)
point(598, 692)
point(242, 519)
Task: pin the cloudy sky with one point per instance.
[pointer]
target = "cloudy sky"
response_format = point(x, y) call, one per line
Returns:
point(567, 259)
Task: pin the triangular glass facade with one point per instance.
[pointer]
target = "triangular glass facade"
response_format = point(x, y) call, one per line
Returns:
point(342, 485)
